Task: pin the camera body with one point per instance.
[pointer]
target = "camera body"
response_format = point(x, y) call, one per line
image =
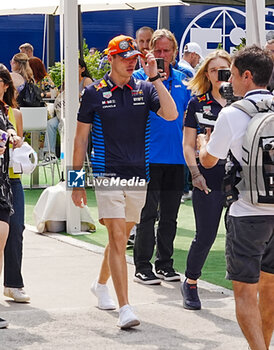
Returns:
point(224, 74)
point(226, 89)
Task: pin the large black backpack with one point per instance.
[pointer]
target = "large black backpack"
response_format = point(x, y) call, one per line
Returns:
point(30, 96)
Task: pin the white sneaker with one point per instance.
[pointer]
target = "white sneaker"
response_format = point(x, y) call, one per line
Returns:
point(3, 323)
point(127, 318)
point(187, 196)
point(105, 302)
point(17, 294)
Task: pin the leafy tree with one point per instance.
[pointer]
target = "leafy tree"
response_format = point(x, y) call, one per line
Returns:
point(95, 69)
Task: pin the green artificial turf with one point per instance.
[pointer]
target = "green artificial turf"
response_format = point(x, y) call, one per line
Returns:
point(214, 269)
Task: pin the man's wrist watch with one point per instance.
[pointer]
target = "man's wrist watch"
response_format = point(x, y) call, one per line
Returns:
point(154, 78)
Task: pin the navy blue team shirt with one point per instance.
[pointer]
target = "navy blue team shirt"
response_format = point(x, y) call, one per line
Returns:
point(120, 126)
point(201, 103)
point(206, 103)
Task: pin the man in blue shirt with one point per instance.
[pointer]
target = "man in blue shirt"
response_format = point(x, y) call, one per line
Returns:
point(118, 108)
point(166, 173)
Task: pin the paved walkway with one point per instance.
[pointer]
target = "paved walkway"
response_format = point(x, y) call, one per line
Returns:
point(63, 315)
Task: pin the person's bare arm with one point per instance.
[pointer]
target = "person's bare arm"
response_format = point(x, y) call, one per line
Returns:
point(189, 147)
point(168, 109)
point(19, 121)
point(79, 196)
point(207, 160)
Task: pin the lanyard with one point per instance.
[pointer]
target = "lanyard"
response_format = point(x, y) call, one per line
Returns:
point(169, 86)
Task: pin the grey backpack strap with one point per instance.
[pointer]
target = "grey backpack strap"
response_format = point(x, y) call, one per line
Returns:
point(252, 108)
point(247, 106)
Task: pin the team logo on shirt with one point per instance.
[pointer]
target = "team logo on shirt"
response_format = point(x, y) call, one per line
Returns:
point(101, 85)
point(137, 92)
point(202, 98)
point(206, 109)
point(138, 101)
point(109, 103)
point(107, 94)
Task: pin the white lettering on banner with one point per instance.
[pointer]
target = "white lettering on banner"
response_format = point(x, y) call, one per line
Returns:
point(225, 25)
point(111, 182)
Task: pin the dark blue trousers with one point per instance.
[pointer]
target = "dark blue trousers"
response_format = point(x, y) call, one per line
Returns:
point(207, 211)
point(14, 246)
point(163, 198)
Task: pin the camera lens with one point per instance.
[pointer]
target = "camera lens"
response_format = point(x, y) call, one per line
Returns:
point(269, 146)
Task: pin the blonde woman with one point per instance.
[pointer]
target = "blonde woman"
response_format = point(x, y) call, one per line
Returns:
point(20, 67)
point(207, 195)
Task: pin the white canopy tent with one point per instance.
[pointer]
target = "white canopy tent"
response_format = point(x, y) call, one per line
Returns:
point(16, 7)
point(255, 34)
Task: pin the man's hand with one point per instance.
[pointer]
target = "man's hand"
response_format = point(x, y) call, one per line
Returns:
point(206, 159)
point(202, 139)
point(79, 197)
point(151, 67)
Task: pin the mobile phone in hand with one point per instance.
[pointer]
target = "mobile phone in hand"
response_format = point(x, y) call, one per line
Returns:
point(160, 64)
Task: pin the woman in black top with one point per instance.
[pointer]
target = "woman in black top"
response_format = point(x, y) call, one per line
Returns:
point(5, 191)
point(207, 195)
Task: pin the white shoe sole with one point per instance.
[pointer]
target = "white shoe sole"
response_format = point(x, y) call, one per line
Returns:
point(130, 324)
point(169, 279)
point(4, 324)
point(17, 300)
point(106, 307)
point(151, 282)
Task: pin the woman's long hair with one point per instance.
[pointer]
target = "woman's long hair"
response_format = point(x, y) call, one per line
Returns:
point(38, 68)
point(85, 73)
point(24, 69)
point(200, 84)
point(10, 93)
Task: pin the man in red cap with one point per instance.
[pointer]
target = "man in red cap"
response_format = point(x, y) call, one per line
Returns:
point(118, 108)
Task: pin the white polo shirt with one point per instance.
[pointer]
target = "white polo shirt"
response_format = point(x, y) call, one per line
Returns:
point(228, 135)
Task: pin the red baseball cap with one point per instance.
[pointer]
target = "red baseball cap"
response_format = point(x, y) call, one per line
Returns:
point(123, 46)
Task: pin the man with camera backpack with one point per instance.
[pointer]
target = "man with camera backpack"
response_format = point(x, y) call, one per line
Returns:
point(250, 227)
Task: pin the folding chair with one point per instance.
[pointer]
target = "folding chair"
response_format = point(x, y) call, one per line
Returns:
point(35, 121)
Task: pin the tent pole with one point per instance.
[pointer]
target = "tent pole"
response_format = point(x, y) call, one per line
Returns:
point(255, 22)
point(72, 102)
point(50, 40)
point(163, 18)
point(80, 32)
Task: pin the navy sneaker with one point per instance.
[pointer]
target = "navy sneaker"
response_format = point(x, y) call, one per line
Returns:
point(168, 275)
point(146, 277)
point(190, 295)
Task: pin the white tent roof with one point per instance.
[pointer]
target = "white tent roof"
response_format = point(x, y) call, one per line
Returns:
point(17, 7)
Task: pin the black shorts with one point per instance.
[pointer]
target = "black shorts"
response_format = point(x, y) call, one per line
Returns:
point(5, 215)
point(249, 247)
